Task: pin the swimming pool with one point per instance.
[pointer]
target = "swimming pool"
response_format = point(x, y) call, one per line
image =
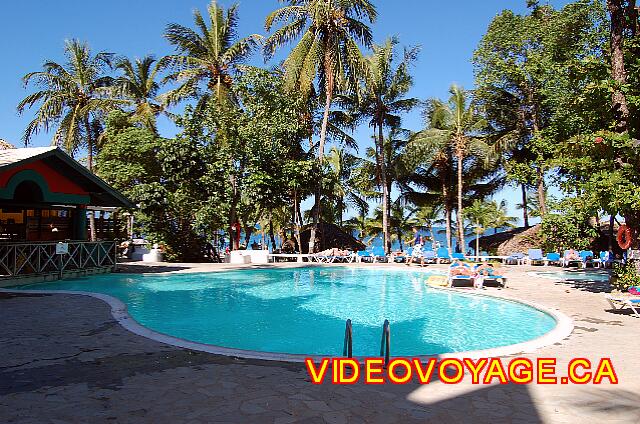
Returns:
point(303, 310)
point(598, 276)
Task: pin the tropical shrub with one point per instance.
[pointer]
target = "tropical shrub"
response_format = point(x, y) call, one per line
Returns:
point(624, 276)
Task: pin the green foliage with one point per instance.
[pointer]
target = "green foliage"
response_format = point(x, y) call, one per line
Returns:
point(72, 96)
point(624, 276)
point(169, 179)
point(568, 227)
point(206, 57)
point(604, 168)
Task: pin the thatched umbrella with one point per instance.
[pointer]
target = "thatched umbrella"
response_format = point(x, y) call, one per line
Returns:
point(5, 145)
point(330, 235)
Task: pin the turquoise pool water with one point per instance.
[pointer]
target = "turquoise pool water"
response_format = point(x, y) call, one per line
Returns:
point(304, 310)
point(601, 276)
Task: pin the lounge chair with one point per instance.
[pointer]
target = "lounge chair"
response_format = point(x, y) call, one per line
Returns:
point(552, 259)
point(364, 256)
point(586, 257)
point(403, 257)
point(429, 256)
point(460, 280)
point(623, 302)
point(442, 254)
point(459, 256)
point(566, 262)
point(379, 254)
point(535, 256)
point(515, 259)
point(493, 279)
point(604, 260)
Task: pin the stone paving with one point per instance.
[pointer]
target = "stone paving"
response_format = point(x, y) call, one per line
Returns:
point(64, 359)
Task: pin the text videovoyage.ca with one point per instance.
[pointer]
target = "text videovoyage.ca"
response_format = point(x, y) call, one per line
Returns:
point(453, 371)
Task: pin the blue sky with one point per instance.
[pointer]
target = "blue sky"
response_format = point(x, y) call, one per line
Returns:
point(35, 30)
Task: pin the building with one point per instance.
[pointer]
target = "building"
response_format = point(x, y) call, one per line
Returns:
point(45, 196)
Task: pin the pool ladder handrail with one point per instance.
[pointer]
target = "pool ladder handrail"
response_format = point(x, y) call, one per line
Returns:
point(386, 341)
point(347, 350)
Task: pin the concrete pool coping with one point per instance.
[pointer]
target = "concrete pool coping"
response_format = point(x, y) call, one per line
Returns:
point(564, 325)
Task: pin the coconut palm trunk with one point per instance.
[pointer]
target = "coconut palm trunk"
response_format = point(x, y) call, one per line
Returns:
point(385, 192)
point(323, 137)
point(447, 213)
point(477, 238)
point(460, 211)
point(525, 206)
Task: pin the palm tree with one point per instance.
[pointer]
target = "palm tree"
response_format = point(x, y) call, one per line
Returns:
point(207, 56)
point(139, 86)
point(344, 184)
point(328, 51)
point(381, 99)
point(426, 217)
point(429, 155)
point(480, 215)
point(73, 96)
point(459, 122)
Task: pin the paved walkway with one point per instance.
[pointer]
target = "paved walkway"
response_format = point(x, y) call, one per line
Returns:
point(63, 359)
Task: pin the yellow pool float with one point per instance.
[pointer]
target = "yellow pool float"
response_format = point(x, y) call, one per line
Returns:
point(437, 281)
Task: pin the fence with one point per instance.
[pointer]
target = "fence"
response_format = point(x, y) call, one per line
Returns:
point(33, 258)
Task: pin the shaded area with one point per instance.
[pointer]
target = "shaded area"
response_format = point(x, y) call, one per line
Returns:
point(329, 236)
point(582, 280)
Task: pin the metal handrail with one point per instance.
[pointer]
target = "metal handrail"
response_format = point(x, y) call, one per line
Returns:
point(386, 340)
point(347, 350)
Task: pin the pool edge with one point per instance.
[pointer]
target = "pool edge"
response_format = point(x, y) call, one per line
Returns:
point(564, 327)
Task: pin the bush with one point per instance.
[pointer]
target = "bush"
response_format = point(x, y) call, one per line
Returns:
point(624, 276)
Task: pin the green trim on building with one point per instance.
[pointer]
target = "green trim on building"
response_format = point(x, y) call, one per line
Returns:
point(8, 192)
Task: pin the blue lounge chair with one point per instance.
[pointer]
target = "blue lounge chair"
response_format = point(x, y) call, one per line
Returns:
point(460, 280)
point(515, 259)
point(429, 256)
point(587, 258)
point(492, 279)
point(619, 303)
point(566, 262)
point(535, 256)
point(379, 255)
point(605, 259)
point(459, 256)
point(552, 259)
point(404, 256)
point(364, 256)
point(442, 254)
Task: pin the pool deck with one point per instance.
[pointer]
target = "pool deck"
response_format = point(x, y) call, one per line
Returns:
point(65, 359)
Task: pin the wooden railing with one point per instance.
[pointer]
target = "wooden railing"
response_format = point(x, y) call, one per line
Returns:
point(33, 258)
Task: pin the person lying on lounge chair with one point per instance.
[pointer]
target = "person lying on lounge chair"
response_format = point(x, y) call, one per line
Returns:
point(458, 267)
point(415, 255)
point(572, 255)
point(333, 252)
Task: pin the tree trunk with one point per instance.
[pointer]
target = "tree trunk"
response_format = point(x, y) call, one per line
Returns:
point(539, 170)
point(447, 213)
point(233, 215)
point(271, 235)
point(385, 191)
point(323, 137)
point(618, 72)
point(433, 234)
point(525, 206)
point(297, 224)
point(478, 239)
point(92, 217)
point(448, 222)
point(460, 211)
point(612, 220)
point(542, 200)
point(247, 235)
point(92, 225)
